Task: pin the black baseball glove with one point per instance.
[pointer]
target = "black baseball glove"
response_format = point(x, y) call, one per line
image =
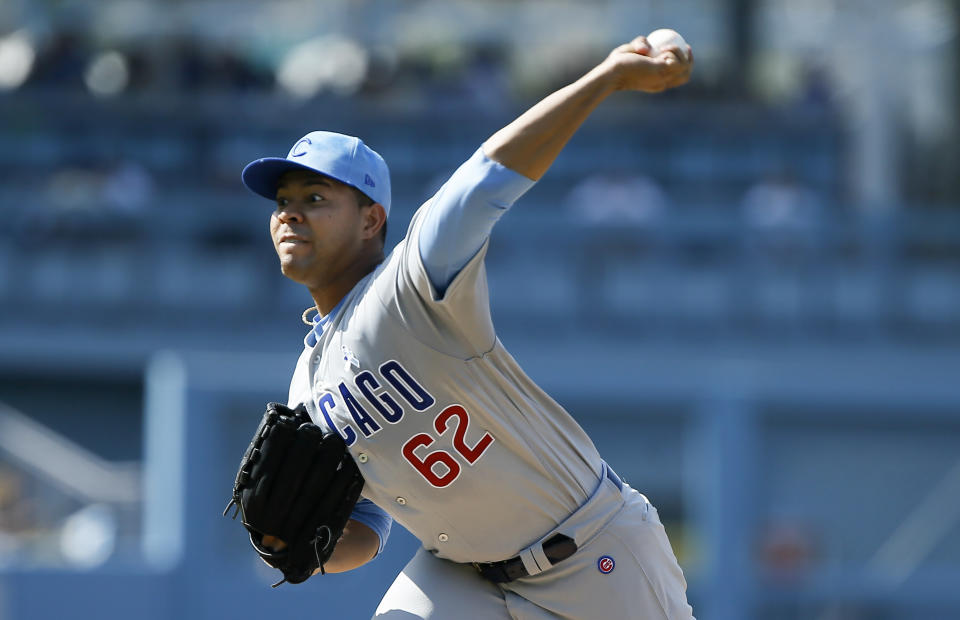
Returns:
point(297, 484)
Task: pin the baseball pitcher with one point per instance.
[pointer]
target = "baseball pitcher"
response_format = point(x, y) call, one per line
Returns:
point(405, 406)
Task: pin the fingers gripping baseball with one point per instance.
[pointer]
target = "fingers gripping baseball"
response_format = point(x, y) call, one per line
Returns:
point(639, 66)
point(637, 46)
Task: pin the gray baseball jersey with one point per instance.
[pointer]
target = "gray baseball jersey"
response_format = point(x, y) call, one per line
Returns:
point(463, 449)
point(453, 439)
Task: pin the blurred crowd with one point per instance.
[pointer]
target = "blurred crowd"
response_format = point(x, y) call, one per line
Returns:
point(484, 73)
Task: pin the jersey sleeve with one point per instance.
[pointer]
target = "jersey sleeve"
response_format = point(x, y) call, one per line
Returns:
point(375, 518)
point(434, 282)
point(459, 218)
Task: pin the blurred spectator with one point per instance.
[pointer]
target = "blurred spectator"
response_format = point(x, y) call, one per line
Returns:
point(15, 513)
point(61, 63)
point(782, 216)
point(73, 188)
point(485, 81)
point(88, 537)
point(782, 251)
point(618, 198)
point(127, 189)
point(618, 214)
point(787, 550)
point(816, 91)
point(226, 70)
point(186, 59)
point(102, 201)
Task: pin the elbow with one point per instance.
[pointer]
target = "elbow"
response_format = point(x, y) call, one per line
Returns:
point(358, 545)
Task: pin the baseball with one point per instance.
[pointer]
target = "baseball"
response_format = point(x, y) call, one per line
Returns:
point(665, 37)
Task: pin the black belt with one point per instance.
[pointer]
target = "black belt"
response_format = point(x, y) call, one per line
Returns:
point(557, 548)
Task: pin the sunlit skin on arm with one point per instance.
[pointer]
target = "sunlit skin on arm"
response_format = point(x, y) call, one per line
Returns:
point(357, 546)
point(531, 143)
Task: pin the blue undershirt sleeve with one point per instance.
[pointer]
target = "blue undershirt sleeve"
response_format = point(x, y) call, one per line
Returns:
point(375, 518)
point(459, 218)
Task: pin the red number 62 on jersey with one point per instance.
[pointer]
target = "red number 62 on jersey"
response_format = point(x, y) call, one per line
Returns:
point(425, 465)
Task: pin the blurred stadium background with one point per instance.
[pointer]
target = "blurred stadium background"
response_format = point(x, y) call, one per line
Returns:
point(747, 290)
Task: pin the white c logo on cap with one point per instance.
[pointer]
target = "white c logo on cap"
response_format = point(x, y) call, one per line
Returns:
point(300, 148)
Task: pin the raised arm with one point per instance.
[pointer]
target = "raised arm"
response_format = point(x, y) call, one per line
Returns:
point(531, 143)
point(462, 214)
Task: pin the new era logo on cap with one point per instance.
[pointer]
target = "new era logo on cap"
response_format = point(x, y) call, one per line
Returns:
point(368, 181)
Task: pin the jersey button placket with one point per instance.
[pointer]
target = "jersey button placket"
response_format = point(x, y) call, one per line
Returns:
point(442, 537)
point(402, 501)
point(362, 457)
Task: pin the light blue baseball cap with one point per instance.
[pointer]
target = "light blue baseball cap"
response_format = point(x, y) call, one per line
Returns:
point(344, 158)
